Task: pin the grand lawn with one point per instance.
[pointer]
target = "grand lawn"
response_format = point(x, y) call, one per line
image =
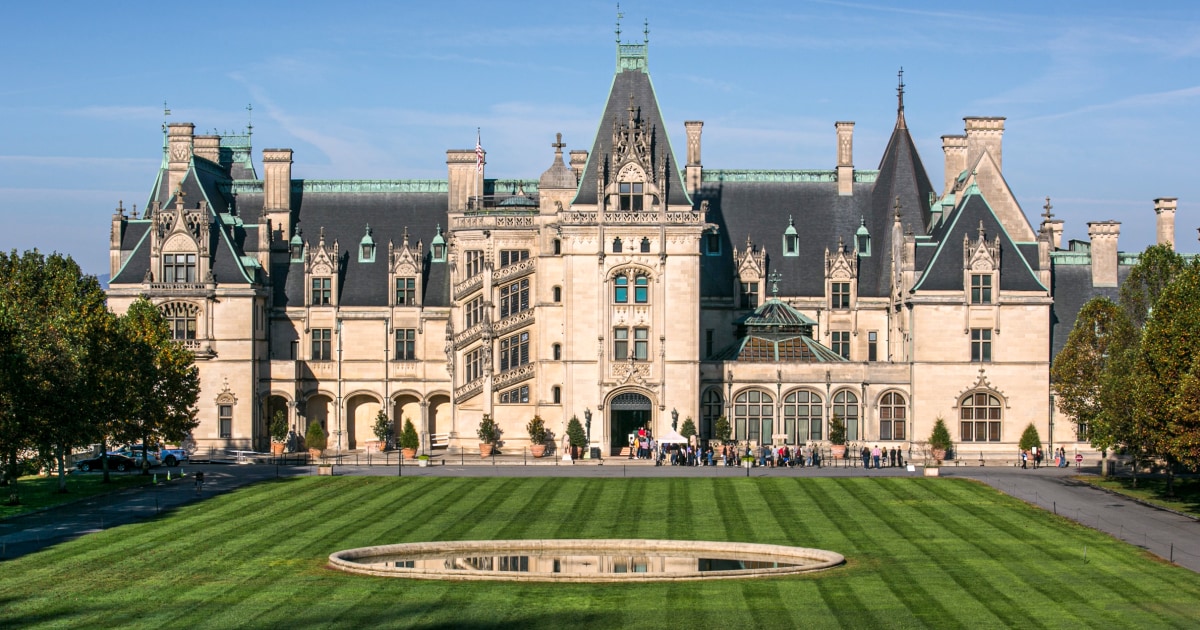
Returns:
point(921, 552)
point(42, 492)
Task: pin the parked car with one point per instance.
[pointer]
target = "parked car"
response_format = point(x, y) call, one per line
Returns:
point(173, 456)
point(135, 453)
point(119, 463)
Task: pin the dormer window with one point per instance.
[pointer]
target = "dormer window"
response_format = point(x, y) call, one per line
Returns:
point(712, 243)
point(862, 239)
point(791, 240)
point(631, 196)
point(438, 247)
point(322, 291)
point(366, 248)
point(179, 268)
point(296, 248)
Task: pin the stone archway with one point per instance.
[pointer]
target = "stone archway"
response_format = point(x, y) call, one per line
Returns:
point(275, 403)
point(318, 407)
point(439, 415)
point(627, 412)
point(361, 410)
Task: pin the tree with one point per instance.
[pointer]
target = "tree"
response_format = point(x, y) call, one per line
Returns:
point(837, 430)
point(939, 438)
point(1030, 438)
point(278, 427)
point(689, 428)
point(488, 432)
point(1102, 328)
point(165, 382)
point(575, 434)
point(536, 430)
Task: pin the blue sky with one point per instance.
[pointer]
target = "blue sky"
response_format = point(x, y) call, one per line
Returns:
point(1101, 97)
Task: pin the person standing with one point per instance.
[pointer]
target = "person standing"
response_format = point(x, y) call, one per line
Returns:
point(1024, 460)
point(875, 454)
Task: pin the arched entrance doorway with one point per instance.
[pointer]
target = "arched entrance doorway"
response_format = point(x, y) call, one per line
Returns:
point(626, 413)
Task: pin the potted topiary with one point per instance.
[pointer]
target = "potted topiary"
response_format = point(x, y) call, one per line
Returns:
point(576, 436)
point(837, 436)
point(689, 428)
point(409, 440)
point(1029, 441)
point(382, 430)
point(939, 440)
point(721, 429)
point(279, 431)
point(315, 439)
point(537, 436)
point(488, 433)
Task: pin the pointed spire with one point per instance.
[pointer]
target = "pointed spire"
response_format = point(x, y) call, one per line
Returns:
point(981, 230)
point(619, 16)
point(900, 122)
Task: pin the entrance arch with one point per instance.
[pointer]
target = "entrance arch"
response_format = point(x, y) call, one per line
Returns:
point(627, 412)
point(361, 410)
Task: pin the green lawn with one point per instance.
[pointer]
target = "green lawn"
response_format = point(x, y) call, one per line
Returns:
point(1186, 499)
point(921, 552)
point(41, 492)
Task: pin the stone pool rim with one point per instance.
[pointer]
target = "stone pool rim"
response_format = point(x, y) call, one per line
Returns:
point(813, 559)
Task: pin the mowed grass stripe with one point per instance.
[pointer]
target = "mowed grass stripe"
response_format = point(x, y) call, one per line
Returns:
point(539, 494)
point(586, 499)
point(1110, 552)
point(492, 493)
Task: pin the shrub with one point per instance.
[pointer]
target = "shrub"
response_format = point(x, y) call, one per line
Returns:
point(575, 433)
point(721, 429)
point(488, 431)
point(1030, 438)
point(408, 436)
point(382, 428)
point(689, 428)
point(837, 430)
point(279, 427)
point(940, 438)
point(315, 437)
point(537, 430)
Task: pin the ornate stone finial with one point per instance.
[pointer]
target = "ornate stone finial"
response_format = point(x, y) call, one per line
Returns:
point(179, 196)
point(896, 207)
point(900, 90)
point(646, 31)
point(368, 229)
point(249, 119)
point(133, 214)
point(981, 230)
point(619, 16)
point(321, 237)
point(558, 145)
point(774, 278)
point(791, 223)
point(1047, 215)
point(749, 245)
point(841, 245)
point(404, 237)
point(632, 109)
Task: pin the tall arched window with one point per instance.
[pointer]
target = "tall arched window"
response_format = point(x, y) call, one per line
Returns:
point(711, 408)
point(557, 247)
point(892, 415)
point(556, 394)
point(621, 289)
point(557, 351)
point(753, 416)
point(845, 406)
point(980, 415)
point(645, 245)
point(557, 294)
point(802, 415)
point(641, 290)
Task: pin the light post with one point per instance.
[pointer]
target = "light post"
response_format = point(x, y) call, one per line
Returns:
point(587, 423)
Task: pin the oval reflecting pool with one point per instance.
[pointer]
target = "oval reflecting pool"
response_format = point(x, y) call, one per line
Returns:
point(582, 560)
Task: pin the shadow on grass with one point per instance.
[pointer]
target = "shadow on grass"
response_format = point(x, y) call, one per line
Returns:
point(1154, 490)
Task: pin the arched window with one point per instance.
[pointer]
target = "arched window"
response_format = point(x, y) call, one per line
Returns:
point(753, 416)
point(557, 294)
point(892, 414)
point(711, 408)
point(621, 289)
point(617, 245)
point(980, 415)
point(557, 247)
point(641, 290)
point(556, 394)
point(557, 351)
point(802, 414)
point(645, 245)
point(845, 406)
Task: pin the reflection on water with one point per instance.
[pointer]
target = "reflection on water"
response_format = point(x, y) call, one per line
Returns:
point(574, 563)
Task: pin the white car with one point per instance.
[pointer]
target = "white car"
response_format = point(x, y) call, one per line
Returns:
point(135, 453)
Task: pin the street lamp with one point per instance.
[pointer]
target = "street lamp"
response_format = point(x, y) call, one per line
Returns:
point(587, 423)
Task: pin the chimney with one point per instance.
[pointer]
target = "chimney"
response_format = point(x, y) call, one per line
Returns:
point(955, 148)
point(845, 157)
point(179, 147)
point(277, 191)
point(984, 133)
point(209, 148)
point(1164, 209)
point(462, 179)
point(578, 161)
point(1104, 252)
point(693, 168)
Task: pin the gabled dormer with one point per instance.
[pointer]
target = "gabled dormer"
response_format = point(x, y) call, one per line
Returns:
point(321, 271)
point(179, 243)
point(404, 272)
point(981, 268)
point(841, 277)
point(751, 274)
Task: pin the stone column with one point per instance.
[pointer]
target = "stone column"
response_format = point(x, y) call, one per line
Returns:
point(1104, 236)
point(845, 157)
point(1164, 210)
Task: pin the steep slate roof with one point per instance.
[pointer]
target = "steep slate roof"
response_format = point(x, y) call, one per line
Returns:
point(945, 270)
point(1072, 286)
point(636, 83)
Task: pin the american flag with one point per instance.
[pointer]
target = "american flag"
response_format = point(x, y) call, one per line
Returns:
point(478, 154)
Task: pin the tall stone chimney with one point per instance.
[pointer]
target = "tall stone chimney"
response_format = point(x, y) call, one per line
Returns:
point(984, 133)
point(693, 170)
point(208, 147)
point(463, 180)
point(179, 153)
point(955, 148)
point(1164, 210)
point(1104, 236)
point(578, 161)
point(277, 192)
point(845, 157)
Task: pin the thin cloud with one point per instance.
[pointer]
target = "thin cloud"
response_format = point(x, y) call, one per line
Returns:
point(1150, 100)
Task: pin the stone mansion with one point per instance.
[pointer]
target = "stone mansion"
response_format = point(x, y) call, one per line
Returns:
point(622, 286)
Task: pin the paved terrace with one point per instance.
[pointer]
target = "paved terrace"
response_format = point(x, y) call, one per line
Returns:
point(1169, 535)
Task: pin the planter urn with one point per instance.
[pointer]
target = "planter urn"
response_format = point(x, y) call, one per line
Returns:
point(537, 450)
point(409, 453)
point(277, 448)
point(485, 450)
point(839, 451)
